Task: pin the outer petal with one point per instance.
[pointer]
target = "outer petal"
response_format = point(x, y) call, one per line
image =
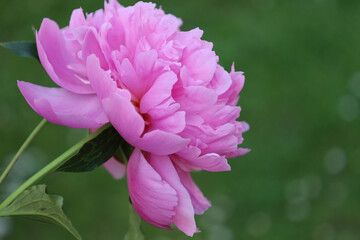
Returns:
point(152, 197)
point(199, 202)
point(115, 168)
point(62, 107)
point(55, 58)
point(184, 211)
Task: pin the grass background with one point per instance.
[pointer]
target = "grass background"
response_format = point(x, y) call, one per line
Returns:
point(301, 98)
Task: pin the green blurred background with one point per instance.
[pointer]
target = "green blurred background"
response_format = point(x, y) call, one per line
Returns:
point(301, 99)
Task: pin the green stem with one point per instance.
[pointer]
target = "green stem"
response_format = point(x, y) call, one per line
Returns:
point(134, 231)
point(21, 149)
point(122, 155)
point(52, 166)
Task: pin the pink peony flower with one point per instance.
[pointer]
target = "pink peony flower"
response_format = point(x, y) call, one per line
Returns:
point(161, 88)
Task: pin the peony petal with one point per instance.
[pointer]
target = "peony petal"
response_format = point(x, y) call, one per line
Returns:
point(199, 202)
point(152, 197)
point(161, 142)
point(115, 36)
point(101, 80)
point(115, 168)
point(232, 94)
point(174, 123)
point(197, 99)
point(144, 63)
point(112, 6)
point(221, 114)
point(201, 65)
point(159, 92)
point(62, 107)
point(184, 211)
point(55, 58)
point(221, 81)
point(130, 124)
point(164, 109)
point(210, 162)
point(223, 145)
point(130, 79)
point(124, 117)
point(77, 19)
point(238, 152)
point(91, 46)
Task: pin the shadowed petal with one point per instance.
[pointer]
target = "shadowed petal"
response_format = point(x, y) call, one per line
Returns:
point(115, 168)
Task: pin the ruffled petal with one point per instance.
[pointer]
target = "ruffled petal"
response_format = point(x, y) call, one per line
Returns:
point(184, 211)
point(152, 197)
point(63, 107)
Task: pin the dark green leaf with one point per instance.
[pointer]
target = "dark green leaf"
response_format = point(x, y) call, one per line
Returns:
point(134, 232)
point(94, 153)
point(34, 203)
point(23, 49)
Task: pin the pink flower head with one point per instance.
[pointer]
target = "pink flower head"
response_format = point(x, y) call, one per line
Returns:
point(161, 88)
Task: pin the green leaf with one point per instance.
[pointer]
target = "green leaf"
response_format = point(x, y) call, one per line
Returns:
point(22, 48)
point(34, 203)
point(134, 232)
point(94, 153)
